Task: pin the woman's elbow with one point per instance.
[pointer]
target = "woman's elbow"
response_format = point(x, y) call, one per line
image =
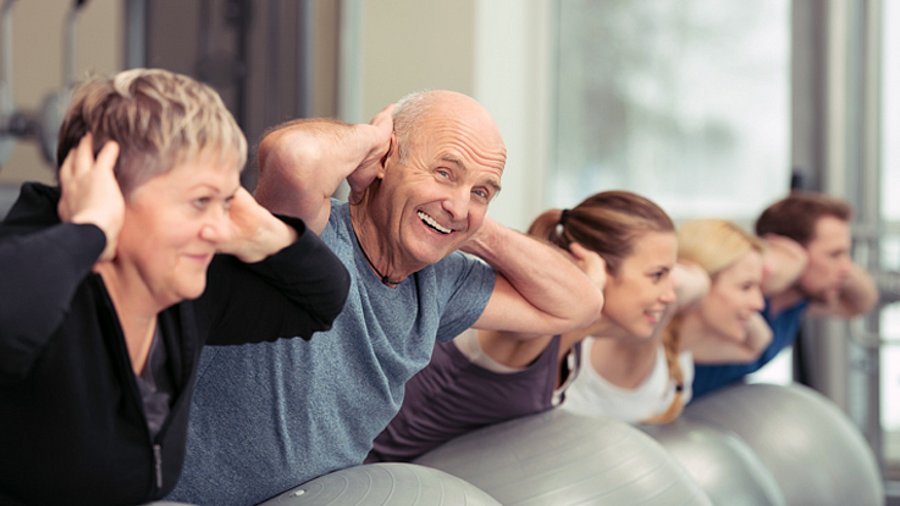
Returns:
point(336, 297)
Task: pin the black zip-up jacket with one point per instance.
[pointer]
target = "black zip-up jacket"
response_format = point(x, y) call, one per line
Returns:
point(72, 424)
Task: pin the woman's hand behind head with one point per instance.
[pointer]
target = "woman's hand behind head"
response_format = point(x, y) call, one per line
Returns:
point(254, 233)
point(90, 192)
point(784, 262)
point(590, 263)
point(692, 283)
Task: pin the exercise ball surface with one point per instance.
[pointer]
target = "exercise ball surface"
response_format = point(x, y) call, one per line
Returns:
point(720, 462)
point(384, 484)
point(558, 458)
point(811, 448)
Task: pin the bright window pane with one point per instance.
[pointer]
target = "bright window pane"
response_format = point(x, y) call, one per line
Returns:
point(890, 212)
point(890, 371)
point(683, 101)
point(890, 149)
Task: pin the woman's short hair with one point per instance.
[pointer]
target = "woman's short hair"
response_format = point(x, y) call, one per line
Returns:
point(158, 118)
point(607, 223)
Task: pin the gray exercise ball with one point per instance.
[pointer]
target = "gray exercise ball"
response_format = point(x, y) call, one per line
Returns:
point(811, 448)
point(558, 458)
point(720, 462)
point(388, 484)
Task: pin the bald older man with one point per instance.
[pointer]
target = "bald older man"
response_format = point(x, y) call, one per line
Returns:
point(422, 174)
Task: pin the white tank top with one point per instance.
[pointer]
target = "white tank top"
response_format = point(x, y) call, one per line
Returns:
point(592, 395)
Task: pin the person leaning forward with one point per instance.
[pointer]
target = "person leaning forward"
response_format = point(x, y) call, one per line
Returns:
point(105, 299)
point(809, 271)
point(422, 175)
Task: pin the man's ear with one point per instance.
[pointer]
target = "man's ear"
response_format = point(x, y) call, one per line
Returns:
point(389, 157)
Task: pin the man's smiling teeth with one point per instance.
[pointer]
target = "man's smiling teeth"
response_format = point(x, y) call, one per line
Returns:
point(433, 224)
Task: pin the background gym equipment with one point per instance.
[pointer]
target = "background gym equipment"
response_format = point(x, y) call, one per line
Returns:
point(9, 124)
point(558, 458)
point(41, 126)
point(386, 484)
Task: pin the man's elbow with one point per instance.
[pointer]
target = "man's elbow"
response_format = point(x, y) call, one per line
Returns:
point(860, 305)
point(860, 293)
point(588, 309)
point(860, 299)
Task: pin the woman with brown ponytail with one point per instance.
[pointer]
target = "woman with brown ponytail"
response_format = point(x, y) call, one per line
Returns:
point(482, 378)
point(649, 380)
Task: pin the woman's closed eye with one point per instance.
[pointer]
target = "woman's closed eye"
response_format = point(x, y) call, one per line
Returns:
point(657, 276)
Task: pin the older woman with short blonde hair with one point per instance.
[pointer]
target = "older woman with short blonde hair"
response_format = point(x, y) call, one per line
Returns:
point(113, 281)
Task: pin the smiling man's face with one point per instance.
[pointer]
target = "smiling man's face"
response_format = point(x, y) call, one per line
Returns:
point(435, 197)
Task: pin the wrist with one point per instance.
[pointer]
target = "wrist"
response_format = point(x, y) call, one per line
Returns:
point(90, 218)
point(269, 240)
point(484, 242)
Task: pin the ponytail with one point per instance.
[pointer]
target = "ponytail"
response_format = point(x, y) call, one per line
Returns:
point(671, 341)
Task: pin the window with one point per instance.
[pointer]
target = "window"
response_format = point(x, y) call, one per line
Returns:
point(890, 214)
point(685, 102)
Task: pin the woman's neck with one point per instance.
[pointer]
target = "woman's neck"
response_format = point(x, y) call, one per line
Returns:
point(693, 331)
point(134, 308)
point(602, 327)
point(624, 362)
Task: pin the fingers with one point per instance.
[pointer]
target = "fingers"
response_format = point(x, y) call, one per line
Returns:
point(383, 116)
point(106, 158)
point(591, 263)
point(65, 170)
point(392, 144)
point(245, 195)
point(384, 132)
point(90, 192)
point(577, 250)
point(246, 213)
point(81, 159)
point(585, 255)
point(251, 232)
point(84, 155)
point(75, 159)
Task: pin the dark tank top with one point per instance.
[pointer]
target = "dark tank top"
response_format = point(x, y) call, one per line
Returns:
point(453, 396)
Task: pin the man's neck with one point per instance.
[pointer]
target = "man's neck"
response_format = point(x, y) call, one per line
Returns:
point(374, 247)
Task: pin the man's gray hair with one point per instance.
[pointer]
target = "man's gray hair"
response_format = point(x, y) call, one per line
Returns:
point(408, 113)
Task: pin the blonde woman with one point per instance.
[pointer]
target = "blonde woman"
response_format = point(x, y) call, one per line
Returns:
point(809, 271)
point(648, 380)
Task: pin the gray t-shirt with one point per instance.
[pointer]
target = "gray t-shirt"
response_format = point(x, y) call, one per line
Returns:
point(269, 416)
